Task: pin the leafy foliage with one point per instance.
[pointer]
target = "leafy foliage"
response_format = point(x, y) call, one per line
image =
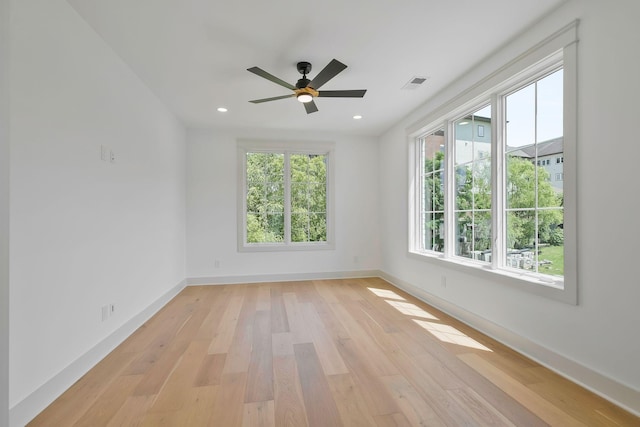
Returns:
point(522, 176)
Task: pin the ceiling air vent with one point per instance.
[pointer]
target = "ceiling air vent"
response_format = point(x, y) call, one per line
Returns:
point(414, 83)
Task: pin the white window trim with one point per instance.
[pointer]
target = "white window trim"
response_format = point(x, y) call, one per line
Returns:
point(561, 47)
point(288, 147)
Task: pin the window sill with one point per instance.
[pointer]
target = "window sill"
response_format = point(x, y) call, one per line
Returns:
point(555, 290)
point(281, 247)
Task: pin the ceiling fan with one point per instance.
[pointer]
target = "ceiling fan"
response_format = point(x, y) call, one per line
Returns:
point(305, 90)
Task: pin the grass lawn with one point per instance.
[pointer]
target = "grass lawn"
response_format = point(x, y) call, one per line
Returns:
point(555, 254)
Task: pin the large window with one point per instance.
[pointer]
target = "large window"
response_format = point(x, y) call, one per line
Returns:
point(432, 200)
point(472, 193)
point(533, 213)
point(284, 196)
point(491, 190)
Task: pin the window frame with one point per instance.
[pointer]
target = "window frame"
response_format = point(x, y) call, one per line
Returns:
point(287, 148)
point(557, 51)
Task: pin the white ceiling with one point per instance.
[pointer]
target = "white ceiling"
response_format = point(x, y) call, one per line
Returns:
point(193, 54)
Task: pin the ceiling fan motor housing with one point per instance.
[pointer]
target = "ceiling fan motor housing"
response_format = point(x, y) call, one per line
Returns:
point(302, 83)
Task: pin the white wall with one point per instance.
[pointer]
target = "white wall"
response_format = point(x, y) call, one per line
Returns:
point(601, 333)
point(84, 232)
point(4, 212)
point(211, 210)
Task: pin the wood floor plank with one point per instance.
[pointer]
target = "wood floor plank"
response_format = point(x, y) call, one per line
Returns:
point(279, 320)
point(260, 376)
point(319, 353)
point(239, 351)
point(417, 410)
point(392, 420)
point(132, 412)
point(289, 402)
point(348, 313)
point(210, 370)
point(480, 409)
point(538, 405)
point(378, 397)
point(259, 414)
point(111, 400)
point(173, 393)
point(421, 380)
point(198, 406)
point(328, 354)
point(228, 408)
point(318, 400)
point(350, 401)
point(297, 327)
point(226, 329)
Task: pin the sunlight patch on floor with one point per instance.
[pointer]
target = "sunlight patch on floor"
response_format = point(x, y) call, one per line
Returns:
point(450, 334)
point(411, 309)
point(386, 293)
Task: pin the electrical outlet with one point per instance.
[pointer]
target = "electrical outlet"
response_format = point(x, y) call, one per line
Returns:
point(104, 153)
point(105, 312)
point(216, 263)
point(112, 309)
point(112, 156)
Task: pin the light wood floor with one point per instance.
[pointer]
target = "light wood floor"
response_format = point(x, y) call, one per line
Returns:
point(355, 352)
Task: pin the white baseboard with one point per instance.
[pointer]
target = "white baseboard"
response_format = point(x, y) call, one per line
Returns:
point(32, 405)
point(269, 278)
point(605, 387)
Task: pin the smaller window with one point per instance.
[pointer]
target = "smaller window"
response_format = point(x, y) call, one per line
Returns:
point(284, 201)
point(481, 131)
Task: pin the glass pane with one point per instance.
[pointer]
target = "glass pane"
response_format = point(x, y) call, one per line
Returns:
point(299, 197)
point(299, 167)
point(521, 230)
point(438, 190)
point(551, 249)
point(274, 228)
point(300, 227)
point(274, 197)
point(318, 169)
point(520, 182)
point(464, 196)
point(464, 233)
point(317, 227)
point(482, 185)
point(481, 242)
point(318, 198)
point(550, 105)
point(434, 231)
point(255, 197)
point(521, 119)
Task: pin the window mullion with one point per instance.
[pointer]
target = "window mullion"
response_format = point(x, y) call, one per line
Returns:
point(449, 188)
point(498, 176)
point(287, 198)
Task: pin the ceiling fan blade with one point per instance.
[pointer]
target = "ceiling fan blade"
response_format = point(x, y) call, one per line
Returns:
point(262, 73)
point(342, 93)
point(332, 69)
point(310, 107)
point(275, 98)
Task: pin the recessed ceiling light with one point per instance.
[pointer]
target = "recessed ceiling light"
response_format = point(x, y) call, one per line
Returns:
point(222, 109)
point(357, 117)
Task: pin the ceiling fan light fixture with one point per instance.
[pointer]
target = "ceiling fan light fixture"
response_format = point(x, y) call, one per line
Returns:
point(305, 97)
